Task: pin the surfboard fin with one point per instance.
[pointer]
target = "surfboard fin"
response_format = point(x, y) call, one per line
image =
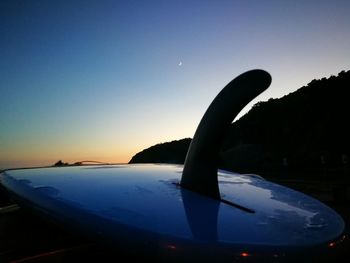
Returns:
point(202, 159)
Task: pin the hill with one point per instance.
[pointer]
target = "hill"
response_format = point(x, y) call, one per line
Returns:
point(304, 131)
point(169, 152)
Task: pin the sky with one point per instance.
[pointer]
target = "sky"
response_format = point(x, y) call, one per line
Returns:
point(103, 80)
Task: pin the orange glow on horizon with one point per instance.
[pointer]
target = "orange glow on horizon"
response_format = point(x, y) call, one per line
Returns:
point(39, 160)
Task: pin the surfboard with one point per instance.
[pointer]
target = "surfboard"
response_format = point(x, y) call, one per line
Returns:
point(142, 208)
point(184, 212)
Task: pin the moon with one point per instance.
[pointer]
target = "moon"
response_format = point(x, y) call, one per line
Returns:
point(180, 63)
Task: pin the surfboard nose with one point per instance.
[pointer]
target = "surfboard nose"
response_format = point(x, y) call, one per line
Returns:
point(201, 163)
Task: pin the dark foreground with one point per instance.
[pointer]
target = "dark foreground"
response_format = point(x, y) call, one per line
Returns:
point(27, 238)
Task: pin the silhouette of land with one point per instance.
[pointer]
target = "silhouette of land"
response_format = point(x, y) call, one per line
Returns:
point(304, 133)
point(169, 152)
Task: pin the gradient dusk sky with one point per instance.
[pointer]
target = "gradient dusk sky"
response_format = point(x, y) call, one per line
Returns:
point(102, 80)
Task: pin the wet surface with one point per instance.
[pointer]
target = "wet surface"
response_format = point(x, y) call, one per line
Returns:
point(282, 216)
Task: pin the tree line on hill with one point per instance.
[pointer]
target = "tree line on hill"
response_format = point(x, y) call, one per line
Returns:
point(305, 131)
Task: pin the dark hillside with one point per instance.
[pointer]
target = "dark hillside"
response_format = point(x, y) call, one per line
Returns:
point(169, 152)
point(305, 131)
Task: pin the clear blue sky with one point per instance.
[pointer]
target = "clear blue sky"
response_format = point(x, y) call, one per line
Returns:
point(103, 80)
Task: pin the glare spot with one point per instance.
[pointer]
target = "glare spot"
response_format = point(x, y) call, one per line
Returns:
point(172, 247)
